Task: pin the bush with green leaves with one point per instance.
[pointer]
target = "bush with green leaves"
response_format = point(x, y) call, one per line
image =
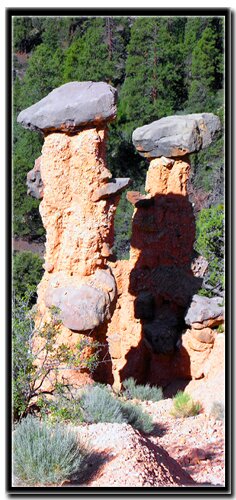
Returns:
point(184, 406)
point(45, 453)
point(27, 271)
point(141, 392)
point(99, 405)
point(64, 405)
point(29, 377)
point(135, 416)
point(210, 244)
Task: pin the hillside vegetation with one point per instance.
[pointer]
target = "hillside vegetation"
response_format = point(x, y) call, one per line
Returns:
point(159, 65)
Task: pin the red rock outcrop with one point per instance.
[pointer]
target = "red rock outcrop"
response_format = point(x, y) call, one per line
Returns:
point(135, 308)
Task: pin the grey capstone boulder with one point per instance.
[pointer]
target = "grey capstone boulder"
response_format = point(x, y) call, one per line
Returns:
point(176, 135)
point(203, 308)
point(70, 107)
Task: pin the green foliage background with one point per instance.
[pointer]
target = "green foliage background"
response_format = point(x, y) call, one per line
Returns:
point(159, 65)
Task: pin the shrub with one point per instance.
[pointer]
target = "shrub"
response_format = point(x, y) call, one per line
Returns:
point(44, 453)
point(210, 244)
point(184, 406)
point(217, 411)
point(61, 408)
point(100, 406)
point(28, 378)
point(141, 392)
point(27, 271)
point(135, 416)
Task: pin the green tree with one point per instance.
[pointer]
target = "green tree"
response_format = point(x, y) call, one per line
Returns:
point(210, 244)
point(98, 54)
point(205, 63)
point(27, 271)
point(153, 85)
point(43, 74)
point(26, 33)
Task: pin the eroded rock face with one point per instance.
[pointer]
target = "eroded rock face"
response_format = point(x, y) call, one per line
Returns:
point(34, 181)
point(135, 308)
point(176, 135)
point(203, 309)
point(71, 106)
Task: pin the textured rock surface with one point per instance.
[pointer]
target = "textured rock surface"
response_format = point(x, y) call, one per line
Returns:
point(34, 181)
point(134, 308)
point(156, 285)
point(176, 135)
point(211, 388)
point(71, 106)
point(115, 186)
point(203, 309)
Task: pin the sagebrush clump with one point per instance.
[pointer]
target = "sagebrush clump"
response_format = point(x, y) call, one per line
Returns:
point(135, 416)
point(46, 453)
point(141, 392)
point(98, 405)
point(184, 406)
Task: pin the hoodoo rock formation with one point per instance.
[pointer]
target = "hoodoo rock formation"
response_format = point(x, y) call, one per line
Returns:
point(155, 287)
point(137, 308)
point(78, 207)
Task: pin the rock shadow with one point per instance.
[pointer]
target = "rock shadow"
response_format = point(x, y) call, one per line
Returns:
point(162, 285)
point(91, 467)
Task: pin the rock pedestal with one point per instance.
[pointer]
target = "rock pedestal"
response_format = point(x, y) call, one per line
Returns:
point(77, 209)
point(135, 308)
point(156, 286)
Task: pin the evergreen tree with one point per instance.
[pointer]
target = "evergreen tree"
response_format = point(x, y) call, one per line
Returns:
point(153, 85)
point(205, 63)
point(98, 54)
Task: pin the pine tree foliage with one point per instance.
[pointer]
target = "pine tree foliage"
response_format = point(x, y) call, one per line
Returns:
point(159, 65)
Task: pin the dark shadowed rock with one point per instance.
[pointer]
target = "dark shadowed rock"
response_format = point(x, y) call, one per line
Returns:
point(71, 106)
point(176, 135)
point(160, 336)
point(139, 200)
point(144, 306)
point(113, 187)
point(34, 181)
point(203, 308)
point(175, 284)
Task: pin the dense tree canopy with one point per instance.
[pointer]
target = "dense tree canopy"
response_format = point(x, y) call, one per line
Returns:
point(159, 65)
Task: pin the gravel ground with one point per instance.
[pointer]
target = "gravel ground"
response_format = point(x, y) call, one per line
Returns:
point(180, 452)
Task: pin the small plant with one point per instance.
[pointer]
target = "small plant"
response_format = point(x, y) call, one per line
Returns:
point(99, 405)
point(141, 392)
point(220, 329)
point(135, 416)
point(61, 408)
point(29, 377)
point(44, 453)
point(217, 411)
point(184, 406)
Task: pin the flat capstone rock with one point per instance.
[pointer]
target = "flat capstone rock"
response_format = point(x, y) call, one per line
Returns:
point(113, 187)
point(176, 135)
point(204, 308)
point(70, 107)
